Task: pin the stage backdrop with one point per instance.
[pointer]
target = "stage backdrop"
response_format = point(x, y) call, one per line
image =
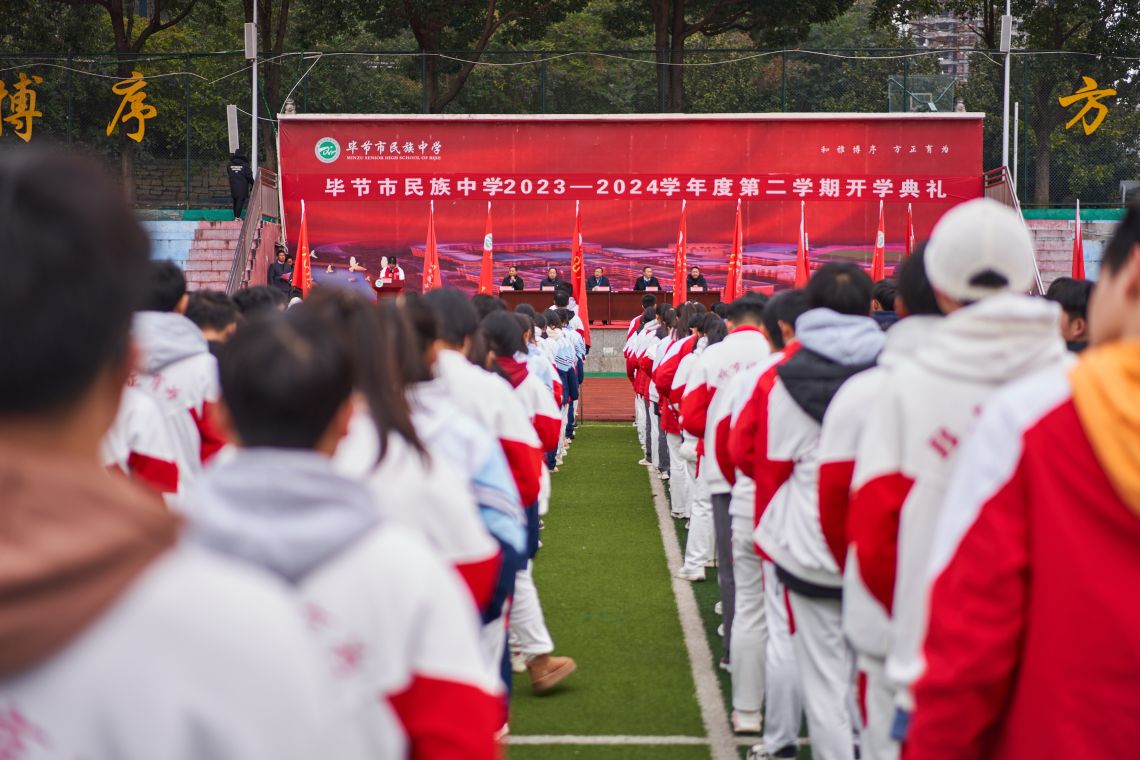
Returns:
point(367, 181)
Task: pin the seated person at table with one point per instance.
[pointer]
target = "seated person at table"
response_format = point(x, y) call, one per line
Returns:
point(394, 274)
point(552, 280)
point(512, 280)
point(646, 280)
point(599, 280)
point(696, 279)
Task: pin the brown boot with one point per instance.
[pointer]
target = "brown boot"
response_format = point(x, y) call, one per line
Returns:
point(546, 672)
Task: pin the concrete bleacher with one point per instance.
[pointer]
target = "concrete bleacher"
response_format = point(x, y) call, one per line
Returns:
point(204, 249)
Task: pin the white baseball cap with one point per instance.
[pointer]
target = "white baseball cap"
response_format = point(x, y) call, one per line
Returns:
point(979, 236)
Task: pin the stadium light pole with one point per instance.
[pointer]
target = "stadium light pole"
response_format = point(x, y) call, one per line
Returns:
point(251, 55)
point(1006, 45)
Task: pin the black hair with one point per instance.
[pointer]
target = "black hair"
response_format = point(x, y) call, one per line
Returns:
point(720, 308)
point(648, 300)
point(393, 261)
point(419, 321)
point(75, 264)
point(212, 309)
point(283, 380)
point(786, 306)
point(166, 284)
point(668, 320)
point(504, 334)
point(376, 343)
point(647, 266)
point(1123, 242)
point(648, 315)
point(748, 309)
point(256, 300)
point(565, 315)
point(884, 292)
point(485, 304)
point(526, 323)
point(714, 328)
point(525, 308)
point(539, 325)
point(455, 317)
point(695, 322)
point(561, 298)
point(552, 318)
point(1072, 295)
point(842, 287)
point(989, 278)
point(914, 286)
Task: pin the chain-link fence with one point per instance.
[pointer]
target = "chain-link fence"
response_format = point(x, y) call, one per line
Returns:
point(179, 115)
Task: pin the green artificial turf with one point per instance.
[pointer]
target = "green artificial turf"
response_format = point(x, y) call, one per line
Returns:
point(605, 590)
point(560, 752)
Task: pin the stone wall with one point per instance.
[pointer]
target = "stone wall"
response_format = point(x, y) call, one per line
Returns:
point(161, 183)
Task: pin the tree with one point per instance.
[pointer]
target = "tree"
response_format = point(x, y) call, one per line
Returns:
point(1103, 29)
point(674, 22)
point(130, 30)
point(466, 26)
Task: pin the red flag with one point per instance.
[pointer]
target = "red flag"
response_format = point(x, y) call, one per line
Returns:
point(432, 277)
point(680, 272)
point(909, 229)
point(302, 269)
point(734, 284)
point(1078, 248)
point(578, 273)
point(486, 269)
point(879, 255)
point(803, 272)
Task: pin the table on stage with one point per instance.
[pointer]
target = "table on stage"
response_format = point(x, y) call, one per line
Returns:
point(604, 306)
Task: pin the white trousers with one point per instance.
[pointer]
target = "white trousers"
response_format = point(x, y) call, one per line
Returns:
point(529, 633)
point(825, 673)
point(875, 739)
point(639, 419)
point(654, 442)
point(699, 547)
point(783, 696)
point(678, 479)
point(749, 647)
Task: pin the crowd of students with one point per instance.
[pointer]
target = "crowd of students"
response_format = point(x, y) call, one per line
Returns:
point(233, 529)
point(922, 509)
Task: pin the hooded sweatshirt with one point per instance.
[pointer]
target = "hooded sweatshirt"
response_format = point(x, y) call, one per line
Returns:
point(394, 622)
point(909, 447)
point(178, 371)
point(117, 645)
point(831, 348)
point(1033, 634)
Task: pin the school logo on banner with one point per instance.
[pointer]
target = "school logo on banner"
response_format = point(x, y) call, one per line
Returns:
point(327, 150)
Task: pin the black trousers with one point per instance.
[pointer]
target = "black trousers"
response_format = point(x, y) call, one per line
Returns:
point(239, 204)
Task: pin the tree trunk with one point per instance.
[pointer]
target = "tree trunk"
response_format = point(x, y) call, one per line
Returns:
point(431, 84)
point(677, 58)
point(126, 144)
point(661, 50)
point(1044, 157)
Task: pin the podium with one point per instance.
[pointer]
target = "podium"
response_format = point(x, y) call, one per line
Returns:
point(604, 306)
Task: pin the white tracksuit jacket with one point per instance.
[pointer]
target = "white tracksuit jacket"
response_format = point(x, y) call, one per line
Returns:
point(139, 445)
point(789, 531)
point(865, 620)
point(910, 444)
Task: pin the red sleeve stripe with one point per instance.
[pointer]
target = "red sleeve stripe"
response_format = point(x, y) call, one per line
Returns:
point(448, 720)
point(834, 499)
point(873, 526)
point(157, 474)
point(525, 462)
point(481, 577)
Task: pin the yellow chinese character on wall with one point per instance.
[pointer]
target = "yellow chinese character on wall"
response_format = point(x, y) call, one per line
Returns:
point(134, 96)
point(22, 105)
point(1092, 97)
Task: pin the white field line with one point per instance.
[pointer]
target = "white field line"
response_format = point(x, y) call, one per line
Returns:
point(607, 740)
point(722, 742)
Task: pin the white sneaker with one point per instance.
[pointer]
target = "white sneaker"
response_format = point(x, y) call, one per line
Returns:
point(746, 722)
point(718, 608)
point(720, 630)
point(664, 476)
point(518, 662)
point(644, 462)
point(711, 563)
point(692, 578)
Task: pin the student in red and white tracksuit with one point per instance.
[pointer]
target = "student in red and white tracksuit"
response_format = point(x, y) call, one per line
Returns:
point(833, 346)
point(763, 657)
point(1031, 648)
point(700, 545)
point(687, 449)
point(138, 444)
point(865, 620)
point(640, 378)
point(909, 446)
point(663, 375)
point(656, 445)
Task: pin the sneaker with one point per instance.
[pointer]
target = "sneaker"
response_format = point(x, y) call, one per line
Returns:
point(719, 632)
point(756, 752)
point(547, 671)
point(718, 608)
point(664, 476)
point(677, 515)
point(502, 734)
point(711, 563)
point(644, 462)
point(518, 662)
point(691, 577)
point(746, 722)
point(725, 664)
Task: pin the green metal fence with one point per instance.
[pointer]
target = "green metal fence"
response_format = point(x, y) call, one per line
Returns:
point(180, 160)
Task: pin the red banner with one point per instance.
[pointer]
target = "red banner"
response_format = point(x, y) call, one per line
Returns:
point(367, 182)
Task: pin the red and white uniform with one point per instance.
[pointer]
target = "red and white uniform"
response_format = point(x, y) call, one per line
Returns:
point(178, 371)
point(139, 446)
point(1033, 635)
point(490, 401)
point(909, 447)
point(865, 621)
